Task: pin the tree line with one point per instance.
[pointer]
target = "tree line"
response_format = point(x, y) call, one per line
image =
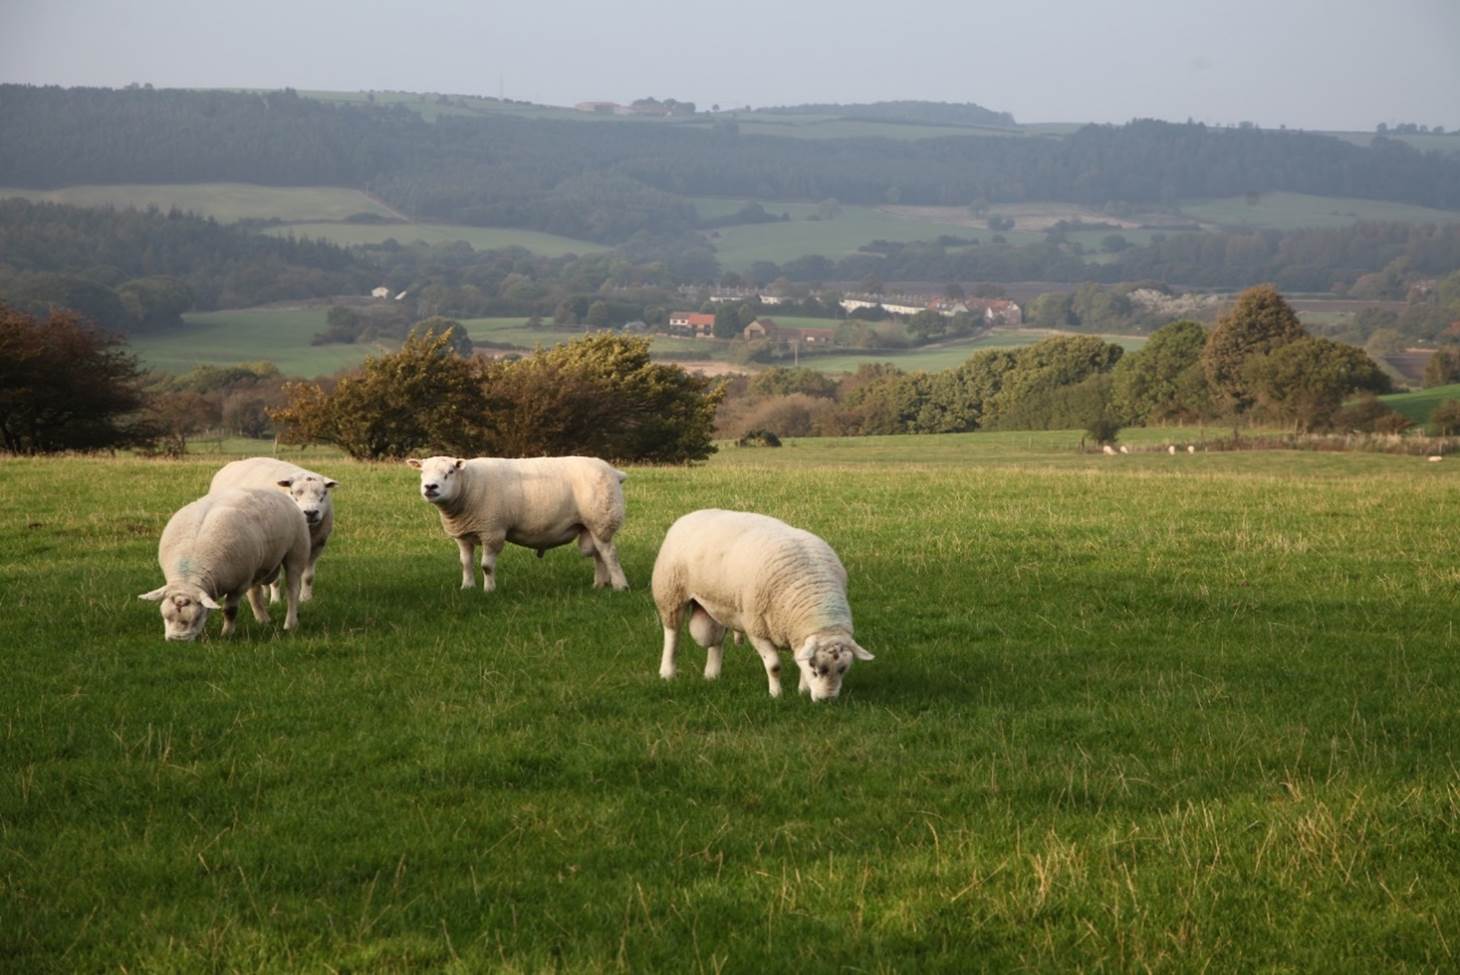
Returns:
point(613, 182)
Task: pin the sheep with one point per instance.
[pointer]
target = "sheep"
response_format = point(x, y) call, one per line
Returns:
point(1191, 448)
point(1124, 449)
point(778, 585)
point(1108, 450)
point(223, 545)
point(311, 492)
point(1171, 449)
point(1435, 458)
point(538, 503)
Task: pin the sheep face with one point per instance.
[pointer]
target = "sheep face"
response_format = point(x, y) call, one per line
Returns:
point(824, 661)
point(440, 478)
point(184, 610)
point(311, 494)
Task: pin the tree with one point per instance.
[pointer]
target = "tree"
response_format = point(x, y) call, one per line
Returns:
point(1164, 380)
point(1259, 323)
point(1445, 418)
point(1442, 368)
point(457, 336)
point(424, 395)
point(599, 314)
point(953, 292)
point(727, 321)
point(67, 385)
point(1306, 382)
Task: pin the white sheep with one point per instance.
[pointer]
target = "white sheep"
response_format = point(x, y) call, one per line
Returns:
point(1191, 448)
point(1435, 458)
point(1108, 450)
point(780, 586)
point(224, 545)
point(1124, 449)
point(1171, 449)
point(538, 503)
point(312, 492)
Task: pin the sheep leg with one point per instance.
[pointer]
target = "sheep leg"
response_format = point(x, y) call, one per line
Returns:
point(306, 586)
point(256, 603)
point(609, 555)
point(294, 582)
point(468, 546)
point(276, 592)
point(491, 548)
point(671, 643)
point(772, 660)
point(590, 551)
point(230, 615)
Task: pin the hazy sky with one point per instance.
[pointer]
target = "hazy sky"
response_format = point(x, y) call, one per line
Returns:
point(1337, 64)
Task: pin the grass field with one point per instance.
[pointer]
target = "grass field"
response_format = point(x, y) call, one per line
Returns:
point(280, 335)
point(225, 202)
point(482, 238)
point(1290, 211)
point(1420, 404)
point(1133, 713)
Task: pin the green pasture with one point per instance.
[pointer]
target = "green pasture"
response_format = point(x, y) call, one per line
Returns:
point(1131, 713)
point(482, 238)
point(278, 334)
point(226, 202)
point(1420, 404)
point(1291, 211)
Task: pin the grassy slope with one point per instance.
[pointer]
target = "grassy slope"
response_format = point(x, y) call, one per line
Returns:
point(1290, 211)
point(482, 238)
point(1127, 713)
point(953, 354)
point(1419, 404)
point(226, 202)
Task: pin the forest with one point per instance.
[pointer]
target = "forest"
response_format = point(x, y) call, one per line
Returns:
point(619, 181)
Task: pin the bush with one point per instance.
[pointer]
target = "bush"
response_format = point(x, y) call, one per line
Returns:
point(1368, 415)
point(1445, 420)
point(758, 438)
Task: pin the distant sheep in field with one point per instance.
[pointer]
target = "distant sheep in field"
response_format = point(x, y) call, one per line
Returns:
point(1434, 458)
point(1191, 448)
point(1124, 449)
point(538, 503)
point(779, 585)
point(312, 492)
point(1171, 450)
point(1109, 450)
point(222, 546)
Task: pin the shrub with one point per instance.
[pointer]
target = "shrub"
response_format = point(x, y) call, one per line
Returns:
point(1445, 420)
point(758, 438)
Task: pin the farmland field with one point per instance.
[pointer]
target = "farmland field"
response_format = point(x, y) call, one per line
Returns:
point(1146, 712)
point(1291, 211)
point(225, 202)
point(951, 354)
point(482, 238)
point(1420, 404)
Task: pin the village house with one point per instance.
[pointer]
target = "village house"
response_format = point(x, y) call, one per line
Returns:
point(380, 292)
point(698, 324)
point(761, 328)
point(766, 328)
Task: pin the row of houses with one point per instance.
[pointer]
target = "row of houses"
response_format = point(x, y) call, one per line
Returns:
point(994, 311)
point(702, 325)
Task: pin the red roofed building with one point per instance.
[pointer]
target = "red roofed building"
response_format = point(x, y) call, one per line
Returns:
point(693, 323)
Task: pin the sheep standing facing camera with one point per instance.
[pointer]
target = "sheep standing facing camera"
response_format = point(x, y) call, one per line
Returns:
point(780, 586)
point(537, 502)
point(312, 493)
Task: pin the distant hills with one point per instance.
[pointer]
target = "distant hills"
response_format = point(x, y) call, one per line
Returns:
point(912, 112)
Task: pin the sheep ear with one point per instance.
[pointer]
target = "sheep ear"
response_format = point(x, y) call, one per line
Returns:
point(288, 482)
point(331, 485)
point(155, 596)
point(413, 463)
point(209, 601)
point(861, 654)
point(807, 651)
point(459, 463)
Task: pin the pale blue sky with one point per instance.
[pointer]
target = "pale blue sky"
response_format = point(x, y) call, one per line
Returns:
point(1341, 64)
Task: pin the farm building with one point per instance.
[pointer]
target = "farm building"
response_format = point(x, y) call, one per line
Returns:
point(698, 324)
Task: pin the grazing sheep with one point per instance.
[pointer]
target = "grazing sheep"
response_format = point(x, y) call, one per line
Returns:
point(1171, 449)
point(780, 586)
point(224, 545)
point(311, 492)
point(1109, 450)
point(538, 503)
point(1434, 458)
point(1124, 449)
point(1191, 448)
